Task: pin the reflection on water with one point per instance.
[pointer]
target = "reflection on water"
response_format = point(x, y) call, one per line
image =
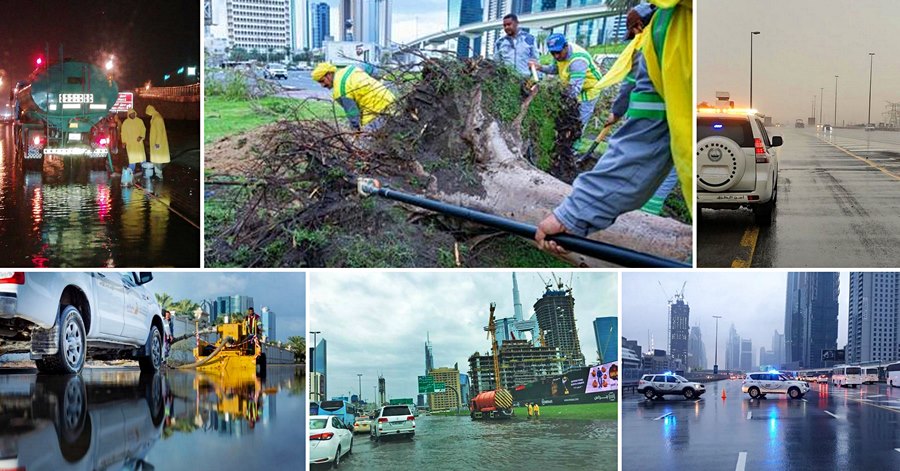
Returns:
point(120, 419)
point(71, 212)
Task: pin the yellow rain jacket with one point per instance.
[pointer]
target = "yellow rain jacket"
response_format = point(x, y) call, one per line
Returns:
point(589, 90)
point(132, 128)
point(370, 95)
point(667, 46)
point(159, 141)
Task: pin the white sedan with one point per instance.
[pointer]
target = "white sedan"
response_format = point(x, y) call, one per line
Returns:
point(329, 439)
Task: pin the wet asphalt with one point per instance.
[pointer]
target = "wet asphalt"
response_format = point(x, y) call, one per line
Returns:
point(838, 206)
point(829, 428)
point(71, 212)
point(462, 443)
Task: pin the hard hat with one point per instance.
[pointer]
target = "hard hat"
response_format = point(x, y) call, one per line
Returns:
point(322, 69)
point(556, 42)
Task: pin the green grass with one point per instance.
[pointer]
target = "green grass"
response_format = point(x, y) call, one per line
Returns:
point(593, 411)
point(516, 252)
point(225, 117)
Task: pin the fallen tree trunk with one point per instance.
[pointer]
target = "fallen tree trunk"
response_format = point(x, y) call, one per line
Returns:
point(515, 189)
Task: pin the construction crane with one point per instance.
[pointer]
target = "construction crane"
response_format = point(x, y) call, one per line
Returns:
point(495, 404)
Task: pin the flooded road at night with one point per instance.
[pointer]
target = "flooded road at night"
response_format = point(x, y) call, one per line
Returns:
point(463, 443)
point(71, 212)
point(114, 418)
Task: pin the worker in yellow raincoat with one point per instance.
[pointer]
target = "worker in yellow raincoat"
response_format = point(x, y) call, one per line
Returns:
point(657, 134)
point(133, 134)
point(159, 141)
point(371, 96)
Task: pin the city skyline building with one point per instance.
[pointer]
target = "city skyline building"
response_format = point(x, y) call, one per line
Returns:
point(235, 304)
point(269, 325)
point(874, 318)
point(461, 13)
point(606, 333)
point(429, 354)
point(520, 363)
point(365, 21)
point(555, 313)
point(320, 366)
point(679, 328)
point(259, 24)
point(451, 397)
point(696, 350)
point(746, 355)
point(320, 25)
point(733, 350)
point(778, 348)
point(811, 311)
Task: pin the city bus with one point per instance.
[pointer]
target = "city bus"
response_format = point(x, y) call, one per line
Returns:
point(869, 374)
point(844, 376)
point(343, 409)
point(893, 375)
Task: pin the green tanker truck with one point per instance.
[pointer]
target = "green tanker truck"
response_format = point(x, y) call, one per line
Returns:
point(62, 109)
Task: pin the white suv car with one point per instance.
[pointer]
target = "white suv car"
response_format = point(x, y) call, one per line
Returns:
point(736, 163)
point(759, 384)
point(62, 318)
point(657, 386)
point(393, 420)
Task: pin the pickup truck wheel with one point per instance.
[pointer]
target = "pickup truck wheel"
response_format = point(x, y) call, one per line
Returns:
point(152, 361)
point(71, 343)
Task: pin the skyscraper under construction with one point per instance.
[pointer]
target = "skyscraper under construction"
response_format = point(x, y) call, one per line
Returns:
point(555, 312)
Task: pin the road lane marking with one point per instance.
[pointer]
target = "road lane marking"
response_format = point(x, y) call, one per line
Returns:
point(748, 240)
point(897, 450)
point(804, 400)
point(866, 161)
point(663, 416)
point(876, 395)
point(829, 413)
point(742, 461)
point(749, 415)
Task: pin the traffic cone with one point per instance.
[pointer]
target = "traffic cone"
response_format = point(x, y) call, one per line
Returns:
point(723, 394)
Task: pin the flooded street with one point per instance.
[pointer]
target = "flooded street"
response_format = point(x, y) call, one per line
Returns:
point(501, 445)
point(72, 212)
point(114, 418)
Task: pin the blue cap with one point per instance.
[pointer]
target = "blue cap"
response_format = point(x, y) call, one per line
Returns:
point(556, 42)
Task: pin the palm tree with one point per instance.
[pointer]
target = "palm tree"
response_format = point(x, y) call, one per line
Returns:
point(164, 301)
point(185, 307)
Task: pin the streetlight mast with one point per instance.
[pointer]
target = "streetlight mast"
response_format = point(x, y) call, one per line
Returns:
point(716, 361)
point(752, 33)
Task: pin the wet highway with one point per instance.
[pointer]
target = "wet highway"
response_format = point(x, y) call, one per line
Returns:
point(838, 206)
point(830, 428)
point(114, 418)
point(70, 212)
point(500, 445)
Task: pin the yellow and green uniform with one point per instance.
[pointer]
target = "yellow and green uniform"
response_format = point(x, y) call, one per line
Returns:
point(371, 96)
point(578, 70)
point(658, 133)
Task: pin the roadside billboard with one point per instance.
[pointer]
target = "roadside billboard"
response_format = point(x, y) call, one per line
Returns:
point(579, 385)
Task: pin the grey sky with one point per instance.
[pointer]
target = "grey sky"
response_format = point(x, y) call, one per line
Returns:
point(803, 44)
point(376, 322)
point(283, 292)
point(753, 301)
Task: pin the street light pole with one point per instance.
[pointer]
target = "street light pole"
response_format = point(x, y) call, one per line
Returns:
point(716, 361)
point(821, 103)
point(869, 119)
point(314, 333)
point(752, 33)
point(359, 398)
point(835, 101)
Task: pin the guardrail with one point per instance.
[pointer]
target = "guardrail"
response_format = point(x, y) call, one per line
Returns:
point(184, 93)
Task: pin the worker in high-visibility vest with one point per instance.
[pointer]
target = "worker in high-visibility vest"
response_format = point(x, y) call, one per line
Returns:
point(657, 134)
point(577, 71)
point(371, 96)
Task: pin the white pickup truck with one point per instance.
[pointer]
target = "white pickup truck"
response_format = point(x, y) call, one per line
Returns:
point(62, 318)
